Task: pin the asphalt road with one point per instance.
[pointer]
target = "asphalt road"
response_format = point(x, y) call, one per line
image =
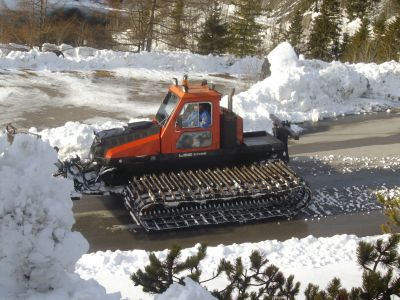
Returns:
point(343, 194)
point(375, 134)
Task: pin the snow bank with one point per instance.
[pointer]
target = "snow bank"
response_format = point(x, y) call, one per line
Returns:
point(310, 259)
point(84, 58)
point(38, 251)
point(309, 90)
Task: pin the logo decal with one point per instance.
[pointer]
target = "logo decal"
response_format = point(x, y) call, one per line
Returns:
point(191, 154)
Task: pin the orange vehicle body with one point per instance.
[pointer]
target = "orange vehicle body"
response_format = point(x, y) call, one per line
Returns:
point(166, 140)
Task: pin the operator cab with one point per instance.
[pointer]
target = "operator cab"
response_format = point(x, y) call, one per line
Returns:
point(189, 116)
point(194, 114)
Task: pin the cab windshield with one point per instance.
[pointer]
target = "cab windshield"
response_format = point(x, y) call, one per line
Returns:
point(166, 108)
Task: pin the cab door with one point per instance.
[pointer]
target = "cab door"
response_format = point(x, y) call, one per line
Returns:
point(195, 128)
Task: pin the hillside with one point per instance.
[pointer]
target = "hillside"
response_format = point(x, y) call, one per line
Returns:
point(281, 12)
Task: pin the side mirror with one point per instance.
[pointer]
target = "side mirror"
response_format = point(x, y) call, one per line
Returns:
point(179, 122)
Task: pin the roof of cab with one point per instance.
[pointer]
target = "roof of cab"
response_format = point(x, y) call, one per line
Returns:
point(195, 91)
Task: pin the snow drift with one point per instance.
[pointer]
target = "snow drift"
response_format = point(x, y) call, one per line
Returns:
point(38, 250)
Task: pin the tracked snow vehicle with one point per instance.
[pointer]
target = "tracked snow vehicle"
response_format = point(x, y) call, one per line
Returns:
point(193, 165)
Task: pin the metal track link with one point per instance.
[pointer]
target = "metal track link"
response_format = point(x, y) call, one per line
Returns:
point(237, 194)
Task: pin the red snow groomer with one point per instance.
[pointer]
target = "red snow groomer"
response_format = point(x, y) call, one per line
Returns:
point(193, 165)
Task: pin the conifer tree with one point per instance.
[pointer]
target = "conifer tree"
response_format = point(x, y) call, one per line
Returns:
point(316, 6)
point(318, 44)
point(245, 31)
point(379, 26)
point(357, 8)
point(377, 43)
point(177, 38)
point(386, 40)
point(159, 275)
point(324, 38)
point(214, 36)
point(271, 283)
point(333, 12)
point(294, 34)
point(358, 50)
point(391, 39)
point(343, 46)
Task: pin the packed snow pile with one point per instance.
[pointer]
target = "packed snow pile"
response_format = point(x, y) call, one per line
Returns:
point(73, 138)
point(38, 251)
point(304, 90)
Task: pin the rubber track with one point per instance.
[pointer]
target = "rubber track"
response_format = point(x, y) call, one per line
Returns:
point(236, 194)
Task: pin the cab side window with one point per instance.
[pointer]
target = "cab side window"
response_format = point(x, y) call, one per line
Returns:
point(196, 139)
point(196, 115)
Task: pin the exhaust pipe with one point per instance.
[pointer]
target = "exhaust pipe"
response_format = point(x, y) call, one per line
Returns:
point(230, 99)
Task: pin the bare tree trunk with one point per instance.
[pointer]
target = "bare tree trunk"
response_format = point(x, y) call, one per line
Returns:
point(42, 11)
point(150, 26)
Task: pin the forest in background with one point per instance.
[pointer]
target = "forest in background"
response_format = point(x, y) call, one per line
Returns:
point(239, 27)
